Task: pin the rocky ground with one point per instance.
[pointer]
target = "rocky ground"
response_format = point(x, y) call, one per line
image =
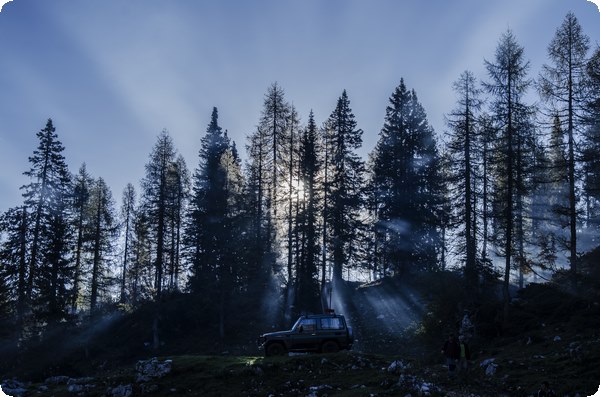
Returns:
point(552, 336)
point(515, 368)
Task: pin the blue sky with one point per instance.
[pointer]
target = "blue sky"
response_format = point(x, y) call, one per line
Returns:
point(112, 74)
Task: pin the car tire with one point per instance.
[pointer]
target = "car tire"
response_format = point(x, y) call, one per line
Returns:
point(330, 347)
point(275, 349)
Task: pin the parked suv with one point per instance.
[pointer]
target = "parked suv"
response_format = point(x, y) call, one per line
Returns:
point(325, 333)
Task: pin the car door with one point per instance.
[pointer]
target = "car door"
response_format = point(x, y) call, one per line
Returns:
point(304, 335)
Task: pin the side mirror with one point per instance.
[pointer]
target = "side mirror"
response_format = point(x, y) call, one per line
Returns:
point(300, 329)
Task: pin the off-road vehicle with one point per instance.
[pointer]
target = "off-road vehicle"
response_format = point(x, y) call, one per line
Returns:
point(324, 333)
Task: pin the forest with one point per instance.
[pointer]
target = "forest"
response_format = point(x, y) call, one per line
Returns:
point(506, 195)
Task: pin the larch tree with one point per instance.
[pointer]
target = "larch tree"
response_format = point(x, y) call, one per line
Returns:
point(103, 231)
point(563, 87)
point(507, 85)
point(592, 143)
point(128, 204)
point(463, 151)
point(155, 187)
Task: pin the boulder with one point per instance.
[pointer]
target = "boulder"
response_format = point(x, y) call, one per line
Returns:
point(152, 369)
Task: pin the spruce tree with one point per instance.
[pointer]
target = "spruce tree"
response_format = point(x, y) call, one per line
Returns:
point(307, 291)
point(47, 198)
point(81, 221)
point(344, 185)
point(406, 166)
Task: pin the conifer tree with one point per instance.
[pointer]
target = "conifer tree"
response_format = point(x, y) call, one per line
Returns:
point(592, 143)
point(508, 84)
point(463, 150)
point(213, 221)
point(563, 86)
point(178, 182)
point(128, 205)
point(81, 196)
point(344, 185)
point(307, 291)
point(103, 231)
point(208, 208)
point(156, 189)
point(47, 198)
point(14, 237)
point(406, 177)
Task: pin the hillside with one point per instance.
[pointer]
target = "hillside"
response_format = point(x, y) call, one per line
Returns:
point(552, 335)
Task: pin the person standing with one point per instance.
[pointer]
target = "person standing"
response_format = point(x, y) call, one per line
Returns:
point(452, 352)
point(464, 355)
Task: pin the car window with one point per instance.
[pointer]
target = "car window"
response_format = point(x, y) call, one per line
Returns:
point(308, 324)
point(331, 323)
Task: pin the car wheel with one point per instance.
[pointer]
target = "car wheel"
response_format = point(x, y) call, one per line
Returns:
point(275, 349)
point(330, 347)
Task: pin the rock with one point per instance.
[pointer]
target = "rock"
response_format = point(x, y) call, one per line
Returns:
point(314, 389)
point(491, 369)
point(152, 369)
point(121, 391)
point(397, 366)
point(75, 388)
point(57, 380)
point(14, 388)
point(80, 381)
point(489, 366)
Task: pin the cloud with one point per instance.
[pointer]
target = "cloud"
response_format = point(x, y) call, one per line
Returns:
point(3, 2)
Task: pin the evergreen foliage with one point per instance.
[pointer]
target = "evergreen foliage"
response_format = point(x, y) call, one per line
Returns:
point(406, 182)
point(343, 186)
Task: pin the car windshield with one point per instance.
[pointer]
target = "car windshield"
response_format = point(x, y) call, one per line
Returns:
point(297, 323)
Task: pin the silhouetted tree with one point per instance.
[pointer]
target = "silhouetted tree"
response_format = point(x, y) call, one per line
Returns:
point(47, 198)
point(507, 86)
point(128, 205)
point(563, 87)
point(406, 166)
point(155, 186)
point(307, 291)
point(103, 231)
point(344, 185)
point(592, 143)
point(81, 196)
point(464, 152)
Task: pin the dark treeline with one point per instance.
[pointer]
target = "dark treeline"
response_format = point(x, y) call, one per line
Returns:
point(511, 190)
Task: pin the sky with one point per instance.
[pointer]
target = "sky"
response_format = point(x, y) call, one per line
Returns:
point(113, 74)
